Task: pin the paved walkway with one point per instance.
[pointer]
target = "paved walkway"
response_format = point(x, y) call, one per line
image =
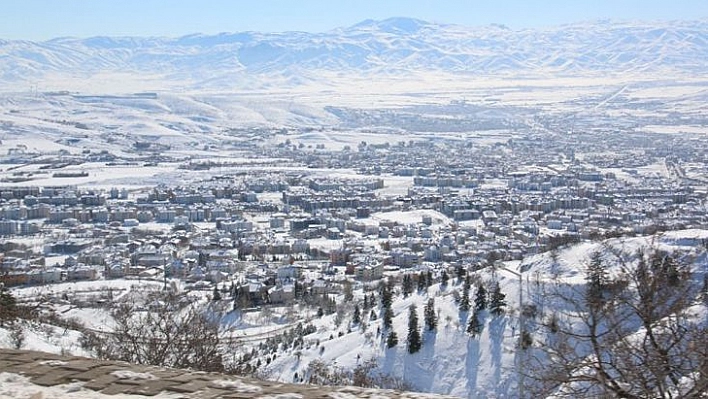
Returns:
point(111, 378)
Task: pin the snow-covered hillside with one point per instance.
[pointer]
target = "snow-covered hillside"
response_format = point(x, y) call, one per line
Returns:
point(452, 361)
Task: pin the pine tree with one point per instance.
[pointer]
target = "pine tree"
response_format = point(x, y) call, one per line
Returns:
point(475, 325)
point(356, 319)
point(497, 302)
point(331, 305)
point(431, 321)
point(421, 281)
point(596, 279)
point(414, 340)
point(386, 295)
point(216, 295)
point(465, 300)
point(8, 305)
point(348, 291)
point(387, 318)
point(386, 302)
point(407, 285)
point(429, 279)
point(392, 339)
point(480, 299)
point(366, 302)
point(461, 273)
point(444, 278)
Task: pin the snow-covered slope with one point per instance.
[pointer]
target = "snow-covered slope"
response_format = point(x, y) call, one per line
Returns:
point(451, 361)
point(396, 46)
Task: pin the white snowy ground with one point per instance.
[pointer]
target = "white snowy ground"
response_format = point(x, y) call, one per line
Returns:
point(450, 362)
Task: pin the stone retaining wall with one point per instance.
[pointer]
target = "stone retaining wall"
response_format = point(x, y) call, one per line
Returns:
point(109, 377)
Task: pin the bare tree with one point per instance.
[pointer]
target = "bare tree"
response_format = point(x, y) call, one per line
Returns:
point(637, 333)
point(17, 334)
point(366, 374)
point(167, 334)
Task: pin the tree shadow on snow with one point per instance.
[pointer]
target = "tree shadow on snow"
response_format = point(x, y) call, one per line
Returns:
point(426, 356)
point(472, 364)
point(496, 337)
point(463, 319)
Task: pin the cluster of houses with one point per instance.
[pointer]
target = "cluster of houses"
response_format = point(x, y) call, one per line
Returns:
point(266, 232)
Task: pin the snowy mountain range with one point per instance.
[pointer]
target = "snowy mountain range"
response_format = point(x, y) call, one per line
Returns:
point(396, 46)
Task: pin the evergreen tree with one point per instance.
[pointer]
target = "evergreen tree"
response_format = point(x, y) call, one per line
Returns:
point(356, 319)
point(421, 281)
point(497, 302)
point(387, 318)
point(386, 294)
point(407, 285)
point(392, 339)
point(444, 278)
point(465, 300)
point(216, 295)
point(429, 280)
point(331, 305)
point(386, 302)
point(475, 325)
point(372, 315)
point(596, 279)
point(414, 340)
point(348, 291)
point(461, 273)
point(366, 302)
point(480, 299)
point(8, 305)
point(431, 321)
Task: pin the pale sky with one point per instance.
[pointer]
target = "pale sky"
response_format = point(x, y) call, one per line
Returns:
point(46, 19)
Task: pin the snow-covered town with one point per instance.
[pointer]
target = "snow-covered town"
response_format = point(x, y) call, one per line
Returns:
point(295, 236)
point(395, 205)
point(236, 223)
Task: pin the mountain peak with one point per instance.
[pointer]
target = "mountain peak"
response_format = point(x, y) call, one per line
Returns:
point(393, 25)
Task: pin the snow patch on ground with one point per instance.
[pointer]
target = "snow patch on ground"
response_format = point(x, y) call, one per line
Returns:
point(237, 386)
point(132, 375)
point(412, 217)
point(53, 363)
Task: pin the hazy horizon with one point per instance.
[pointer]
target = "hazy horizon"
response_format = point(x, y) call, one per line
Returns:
point(40, 20)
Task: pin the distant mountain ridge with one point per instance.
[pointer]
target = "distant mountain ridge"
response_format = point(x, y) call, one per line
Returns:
point(391, 46)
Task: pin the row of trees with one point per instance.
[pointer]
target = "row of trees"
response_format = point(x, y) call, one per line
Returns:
point(494, 300)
